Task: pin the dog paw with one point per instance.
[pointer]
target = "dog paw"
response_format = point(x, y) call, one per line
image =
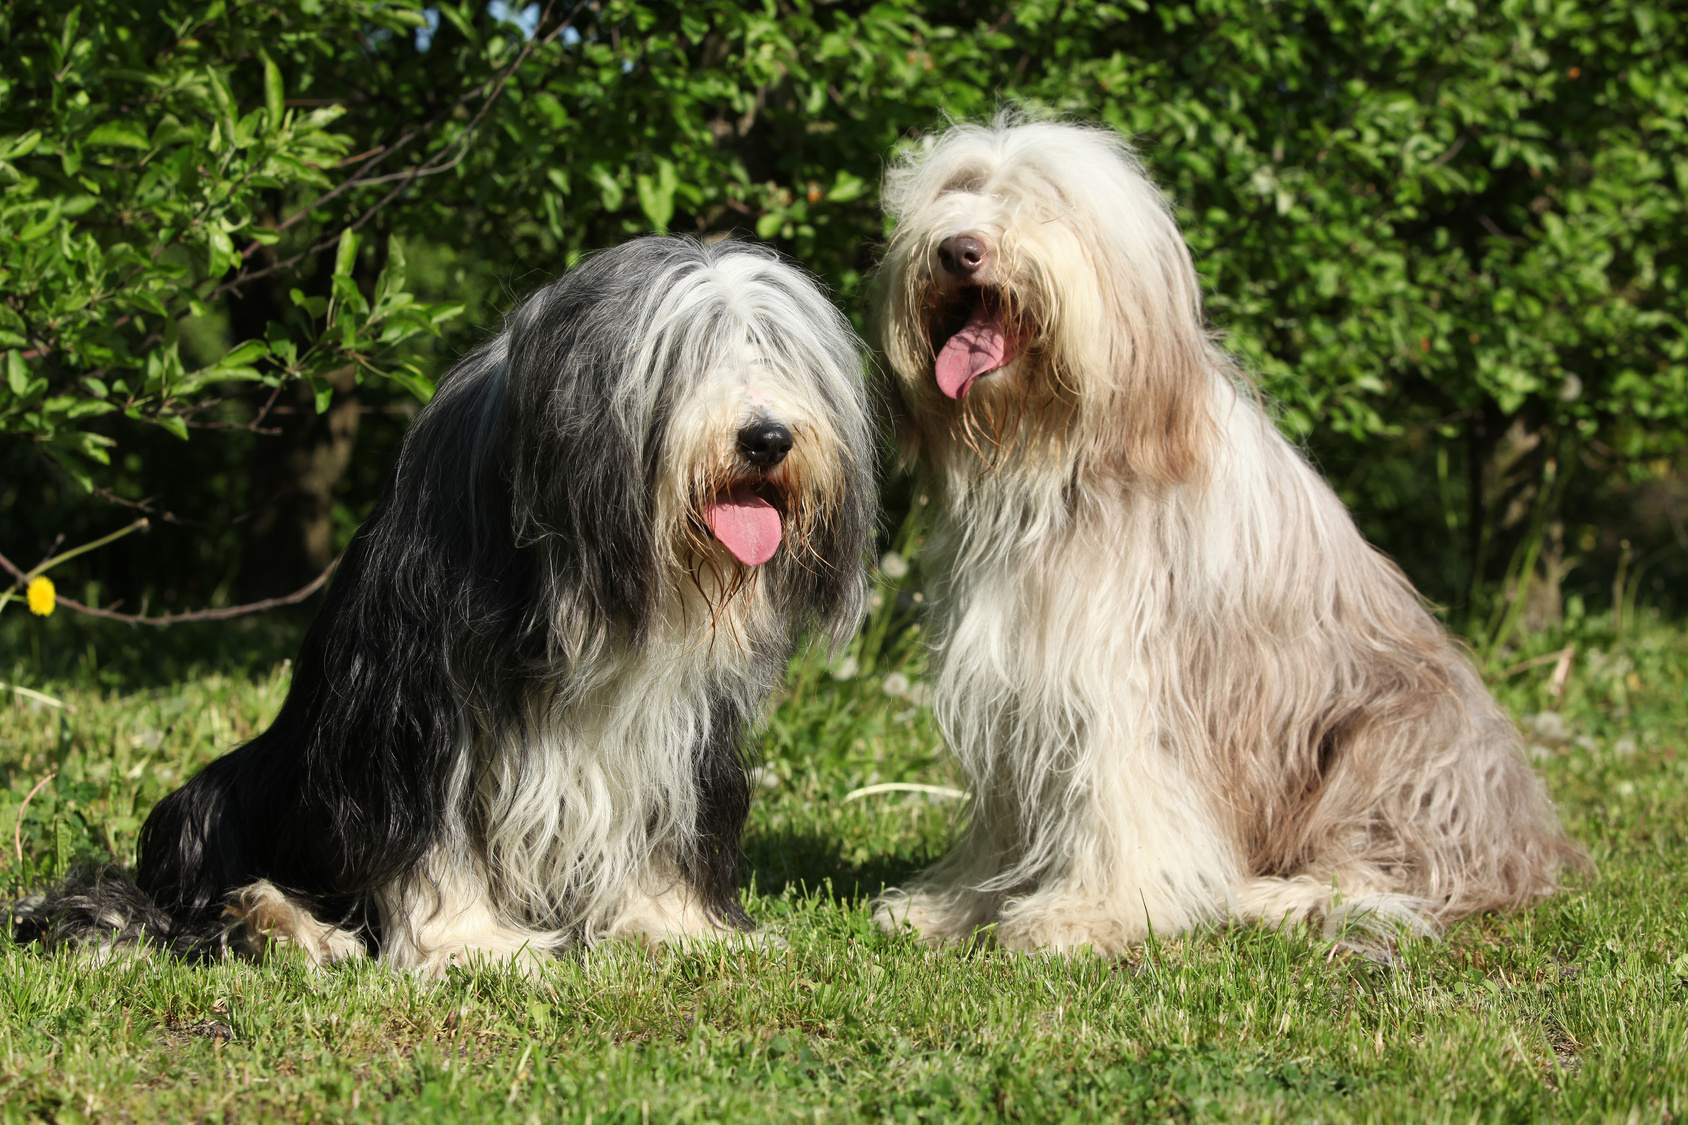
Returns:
point(527, 961)
point(1104, 937)
point(935, 919)
point(261, 919)
point(707, 936)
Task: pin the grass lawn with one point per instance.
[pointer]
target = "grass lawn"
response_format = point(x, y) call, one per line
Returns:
point(1576, 1010)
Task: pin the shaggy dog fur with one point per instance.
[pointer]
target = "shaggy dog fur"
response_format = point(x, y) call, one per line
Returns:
point(1180, 685)
point(517, 720)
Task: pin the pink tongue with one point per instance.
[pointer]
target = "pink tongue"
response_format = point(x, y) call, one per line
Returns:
point(979, 347)
point(746, 525)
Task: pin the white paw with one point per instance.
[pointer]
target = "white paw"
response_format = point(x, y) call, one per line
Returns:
point(936, 919)
point(1064, 933)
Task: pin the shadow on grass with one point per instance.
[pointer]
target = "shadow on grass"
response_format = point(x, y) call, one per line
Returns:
point(784, 859)
point(67, 649)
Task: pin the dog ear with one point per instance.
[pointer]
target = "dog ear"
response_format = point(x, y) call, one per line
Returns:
point(891, 315)
point(1157, 423)
point(578, 464)
point(896, 419)
point(841, 592)
point(1166, 413)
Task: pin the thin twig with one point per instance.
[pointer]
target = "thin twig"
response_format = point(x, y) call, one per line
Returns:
point(264, 411)
point(17, 829)
point(1558, 656)
point(149, 506)
point(1561, 674)
point(57, 539)
point(357, 179)
point(375, 156)
point(47, 564)
point(223, 614)
point(1452, 152)
point(1490, 226)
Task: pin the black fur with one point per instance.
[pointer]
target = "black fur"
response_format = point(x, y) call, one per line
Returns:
point(516, 538)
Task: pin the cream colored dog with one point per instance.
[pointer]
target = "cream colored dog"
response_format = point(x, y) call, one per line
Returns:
point(1180, 684)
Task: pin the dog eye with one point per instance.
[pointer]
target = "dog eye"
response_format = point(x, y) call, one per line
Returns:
point(971, 184)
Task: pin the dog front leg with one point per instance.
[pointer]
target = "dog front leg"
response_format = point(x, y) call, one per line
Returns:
point(443, 917)
point(667, 908)
point(946, 904)
point(1138, 851)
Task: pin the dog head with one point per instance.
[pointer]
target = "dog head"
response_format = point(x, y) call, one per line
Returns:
point(1036, 296)
point(689, 417)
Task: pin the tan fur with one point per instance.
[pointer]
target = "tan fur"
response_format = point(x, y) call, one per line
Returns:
point(261, 918)
point(1181, 685)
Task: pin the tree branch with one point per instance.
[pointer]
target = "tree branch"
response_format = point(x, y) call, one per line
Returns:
point(406, 178)
point(162, 620)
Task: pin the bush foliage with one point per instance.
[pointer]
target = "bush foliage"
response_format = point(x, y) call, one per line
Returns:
point(1447, 236)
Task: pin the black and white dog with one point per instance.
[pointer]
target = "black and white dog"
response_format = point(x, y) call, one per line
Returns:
point(517, 720)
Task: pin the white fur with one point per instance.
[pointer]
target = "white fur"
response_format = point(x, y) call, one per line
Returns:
point(590, 803)
point(1179, 683)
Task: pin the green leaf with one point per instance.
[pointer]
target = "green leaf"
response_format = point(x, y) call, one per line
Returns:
point(223, 128)
point(412, 379)
point(273, 92)
point(120, 134)
point(14, 148)
point(610, 192)
point(348, 295)
point(32, 232)
point(395, 264)
point(84, 444)
point(220, 95)
point(281, 344)
point(314, 306)
point(221, 255)
point(247, 128)
point(346, 256)
point(245, 353)
point(845, 187)
point(17, 374)
point(656, 195)
point(73, 465)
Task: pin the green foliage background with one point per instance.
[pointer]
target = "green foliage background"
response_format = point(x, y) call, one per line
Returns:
point(1447, 236)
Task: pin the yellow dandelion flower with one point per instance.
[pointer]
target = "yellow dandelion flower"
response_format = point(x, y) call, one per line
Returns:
point(42, 597)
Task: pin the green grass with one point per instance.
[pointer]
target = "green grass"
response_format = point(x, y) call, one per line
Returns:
point(1576, 1010)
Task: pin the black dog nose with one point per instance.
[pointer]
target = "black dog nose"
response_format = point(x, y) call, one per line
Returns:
point(764, 443)
point(964, 255)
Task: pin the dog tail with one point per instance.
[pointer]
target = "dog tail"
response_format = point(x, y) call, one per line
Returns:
point(99, 908)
